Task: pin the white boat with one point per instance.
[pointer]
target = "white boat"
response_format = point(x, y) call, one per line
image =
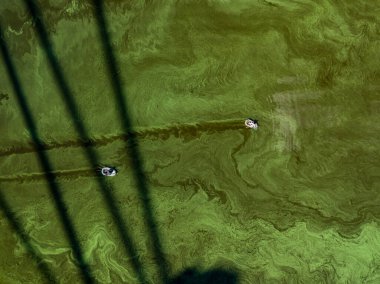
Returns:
point(251, 123)
point(108, 171)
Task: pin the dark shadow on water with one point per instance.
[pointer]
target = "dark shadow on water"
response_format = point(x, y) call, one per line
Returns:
point(193, 276)
point(132, 146)
point(46, 165)
point(213, 276)
point(72, 108)
point(25, 240)
point(189, 276)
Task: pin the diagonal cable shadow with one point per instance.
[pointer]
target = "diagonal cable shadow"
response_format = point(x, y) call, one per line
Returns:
point(66, 93)
point(18, 228)
point(131, 143)
point(46, 165)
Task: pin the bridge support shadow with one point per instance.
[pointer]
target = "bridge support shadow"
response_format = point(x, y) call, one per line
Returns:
point(66, 93)
point(212, 276)
point(25, 240)
point(46, 165)
point(188, 276)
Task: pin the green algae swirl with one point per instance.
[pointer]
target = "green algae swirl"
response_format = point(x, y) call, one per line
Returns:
point(296, 201)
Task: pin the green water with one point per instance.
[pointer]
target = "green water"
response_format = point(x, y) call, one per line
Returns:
point(296, 201)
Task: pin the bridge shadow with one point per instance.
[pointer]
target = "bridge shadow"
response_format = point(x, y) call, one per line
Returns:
point(54, 187)
point(132, 148)
point(66, 94)
point(132, 145)
point(191, 275)
point(212, 276)
point(25, 240)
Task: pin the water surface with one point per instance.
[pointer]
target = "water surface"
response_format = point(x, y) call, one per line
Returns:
point(296, 201)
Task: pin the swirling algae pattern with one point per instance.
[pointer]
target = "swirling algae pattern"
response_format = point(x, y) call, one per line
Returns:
point(296, 201)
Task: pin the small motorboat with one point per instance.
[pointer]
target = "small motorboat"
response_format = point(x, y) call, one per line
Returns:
point(251, 123)
point(108, 171)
